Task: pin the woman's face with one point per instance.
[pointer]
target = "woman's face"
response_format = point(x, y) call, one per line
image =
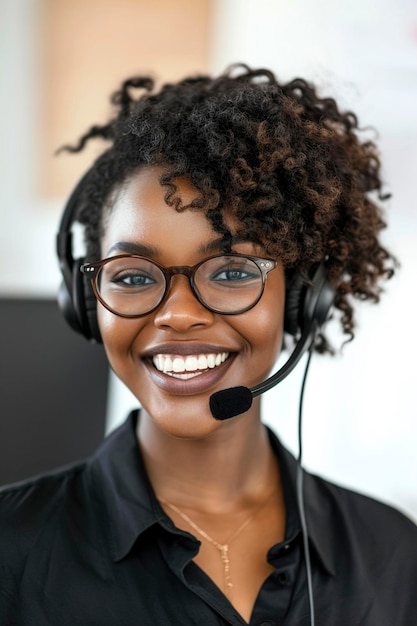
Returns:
point(181, 327)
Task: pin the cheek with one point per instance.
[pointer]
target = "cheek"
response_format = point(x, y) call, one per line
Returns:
point(108, 324)
point(263, 330)
point(267, 330)
point(118, 335)
point(269, 322)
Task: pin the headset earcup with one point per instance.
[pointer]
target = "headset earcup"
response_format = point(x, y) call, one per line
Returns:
point(307, 302)
point(319, 298)
point(80, 309)
point(90, 302)
point(85, 303)
point(66, 306)
point(294, 304)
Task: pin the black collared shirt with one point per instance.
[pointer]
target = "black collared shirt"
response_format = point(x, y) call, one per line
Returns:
point(90, 545)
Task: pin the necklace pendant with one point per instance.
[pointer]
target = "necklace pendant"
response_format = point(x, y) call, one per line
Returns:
point(224, 554)
point(224, 551)
point(223, 548)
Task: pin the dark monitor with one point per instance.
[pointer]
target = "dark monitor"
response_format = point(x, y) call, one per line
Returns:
point(53, 390)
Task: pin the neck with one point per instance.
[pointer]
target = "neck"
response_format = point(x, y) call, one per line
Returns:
point(220, 472)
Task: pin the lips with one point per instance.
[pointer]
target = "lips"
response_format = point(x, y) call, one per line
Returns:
point(187, 369)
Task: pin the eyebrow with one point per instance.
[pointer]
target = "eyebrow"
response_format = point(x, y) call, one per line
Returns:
point(151, 251)
point(135, 248)
point(211, 246)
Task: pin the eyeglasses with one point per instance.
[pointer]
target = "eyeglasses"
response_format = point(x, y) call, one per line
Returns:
point(132, 286)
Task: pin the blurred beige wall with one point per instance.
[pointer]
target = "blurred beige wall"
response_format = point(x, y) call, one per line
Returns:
point(87, 48)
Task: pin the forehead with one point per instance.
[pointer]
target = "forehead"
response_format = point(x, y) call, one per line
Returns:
point(140, 214)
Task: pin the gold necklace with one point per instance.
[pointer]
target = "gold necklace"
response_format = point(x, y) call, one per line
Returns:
point(223, 548)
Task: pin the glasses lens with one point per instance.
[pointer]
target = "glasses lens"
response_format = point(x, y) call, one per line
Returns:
point(130, 285)
point(229, 284)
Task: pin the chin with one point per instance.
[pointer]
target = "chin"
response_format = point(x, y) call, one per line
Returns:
point(191, 419)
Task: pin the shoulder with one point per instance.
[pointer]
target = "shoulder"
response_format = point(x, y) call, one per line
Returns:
point(341, 513)
point(363, 509)
point(31, 514)
point(341, 510)
point(27, 507)
point(369, 530)
point(372, 550)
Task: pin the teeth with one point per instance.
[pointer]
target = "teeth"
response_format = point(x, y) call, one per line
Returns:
point(167, 364)
point(177, 365)
point(191, 364)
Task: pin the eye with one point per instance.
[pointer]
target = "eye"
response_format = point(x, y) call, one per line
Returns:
point(133, 279)
point(235, 274)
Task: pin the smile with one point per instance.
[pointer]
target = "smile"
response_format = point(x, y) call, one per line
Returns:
point(186, 367)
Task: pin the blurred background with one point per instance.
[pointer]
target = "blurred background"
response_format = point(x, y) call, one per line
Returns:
point(59, 61)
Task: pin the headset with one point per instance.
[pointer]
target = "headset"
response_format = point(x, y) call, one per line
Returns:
point(307, 301)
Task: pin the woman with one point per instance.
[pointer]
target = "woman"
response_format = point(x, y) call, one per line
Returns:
point(216, 201)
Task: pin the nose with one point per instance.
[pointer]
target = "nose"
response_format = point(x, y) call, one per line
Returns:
point(180, 309)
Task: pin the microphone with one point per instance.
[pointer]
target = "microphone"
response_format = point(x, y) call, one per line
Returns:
point(230, 402)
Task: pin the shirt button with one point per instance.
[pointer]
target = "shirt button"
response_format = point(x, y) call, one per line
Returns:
point(265, 624)
point(283, 578)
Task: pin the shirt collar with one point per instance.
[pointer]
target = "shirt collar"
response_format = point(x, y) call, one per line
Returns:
point(120, 481)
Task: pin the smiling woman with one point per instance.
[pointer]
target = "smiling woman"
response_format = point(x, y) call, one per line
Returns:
point(183, 325)
point(226, 213)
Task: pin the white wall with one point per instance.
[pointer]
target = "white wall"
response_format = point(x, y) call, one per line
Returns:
point(360, 412)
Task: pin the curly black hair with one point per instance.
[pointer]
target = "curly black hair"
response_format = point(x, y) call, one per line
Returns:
point(289, 166)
